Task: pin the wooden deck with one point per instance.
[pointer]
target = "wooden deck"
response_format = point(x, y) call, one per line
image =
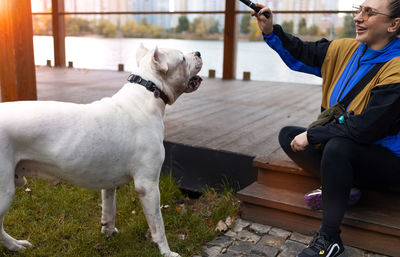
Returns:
point(241, 117)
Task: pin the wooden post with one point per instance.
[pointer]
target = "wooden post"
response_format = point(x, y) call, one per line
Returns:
point(58, 33)
point(17, 67)
point(211, 73)
point(246, 75)
point(230, 41)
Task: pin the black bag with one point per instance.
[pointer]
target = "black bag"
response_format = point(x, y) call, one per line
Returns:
point(337, 112)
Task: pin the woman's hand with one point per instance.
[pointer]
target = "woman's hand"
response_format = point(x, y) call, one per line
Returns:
point(300, 142)
point(264, 24)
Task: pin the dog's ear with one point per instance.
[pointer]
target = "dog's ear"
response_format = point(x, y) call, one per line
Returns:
point(160, 61)
point(140, 52)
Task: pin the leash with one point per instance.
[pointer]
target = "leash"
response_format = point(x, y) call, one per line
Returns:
point(149, 86)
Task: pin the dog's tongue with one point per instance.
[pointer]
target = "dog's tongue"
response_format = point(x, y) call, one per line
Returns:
point(195, 81)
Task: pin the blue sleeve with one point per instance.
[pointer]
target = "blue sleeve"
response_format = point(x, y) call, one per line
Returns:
point(301, 56)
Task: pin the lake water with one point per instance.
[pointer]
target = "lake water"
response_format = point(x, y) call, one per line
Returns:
point(105, 53)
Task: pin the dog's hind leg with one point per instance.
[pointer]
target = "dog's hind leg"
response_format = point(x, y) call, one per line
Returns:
point(108, 212)
point(149, 194)
point(7, 190)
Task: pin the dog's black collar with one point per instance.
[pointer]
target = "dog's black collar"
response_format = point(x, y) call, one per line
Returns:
point(149, 86)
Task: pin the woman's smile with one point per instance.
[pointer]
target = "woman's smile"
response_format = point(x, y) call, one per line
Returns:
point(360, 30)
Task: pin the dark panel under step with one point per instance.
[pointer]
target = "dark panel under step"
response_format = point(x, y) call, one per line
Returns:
point(197, 168)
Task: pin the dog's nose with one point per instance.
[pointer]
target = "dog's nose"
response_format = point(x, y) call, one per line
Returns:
point(197, 54)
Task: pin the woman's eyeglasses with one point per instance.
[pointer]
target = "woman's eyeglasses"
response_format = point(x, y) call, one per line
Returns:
point(366, 12)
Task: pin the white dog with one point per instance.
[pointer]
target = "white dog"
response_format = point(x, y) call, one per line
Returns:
point(101, 145)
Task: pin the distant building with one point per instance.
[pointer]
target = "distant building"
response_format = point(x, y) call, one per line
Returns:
point(88, 6)
point(119, 6)
point(204, 5)
point(324, 21)
point(159, 20)
point(177, 5)
point(180, 5)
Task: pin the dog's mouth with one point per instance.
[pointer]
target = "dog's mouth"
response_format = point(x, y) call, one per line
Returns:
point(194, 82)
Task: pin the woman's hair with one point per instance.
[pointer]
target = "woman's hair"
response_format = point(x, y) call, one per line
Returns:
point(394, 7)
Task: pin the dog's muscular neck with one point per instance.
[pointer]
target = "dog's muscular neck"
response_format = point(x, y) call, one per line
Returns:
point(149, 85)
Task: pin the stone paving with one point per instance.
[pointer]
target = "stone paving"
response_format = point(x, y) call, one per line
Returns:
point(256, 240)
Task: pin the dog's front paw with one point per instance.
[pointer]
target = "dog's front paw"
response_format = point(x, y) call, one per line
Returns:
point(171, 254)
point(17, 245)
point(109, 231)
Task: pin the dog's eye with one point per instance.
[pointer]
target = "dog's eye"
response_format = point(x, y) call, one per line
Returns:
point(184, 59)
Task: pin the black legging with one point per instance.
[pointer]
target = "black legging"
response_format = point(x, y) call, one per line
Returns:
point(341, 164)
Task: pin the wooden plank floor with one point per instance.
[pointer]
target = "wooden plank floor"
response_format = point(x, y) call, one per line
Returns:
point(230, 115)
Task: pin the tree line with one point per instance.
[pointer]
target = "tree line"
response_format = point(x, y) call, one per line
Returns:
point(202, 27)
point(249, 26)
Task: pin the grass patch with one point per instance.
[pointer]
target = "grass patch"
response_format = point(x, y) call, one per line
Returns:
point(64, 220)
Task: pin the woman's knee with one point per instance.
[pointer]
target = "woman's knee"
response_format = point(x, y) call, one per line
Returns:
point(339, 148)
point(336, 160)
point(287, 134)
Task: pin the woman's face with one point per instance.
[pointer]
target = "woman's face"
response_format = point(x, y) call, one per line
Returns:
point(373, 30)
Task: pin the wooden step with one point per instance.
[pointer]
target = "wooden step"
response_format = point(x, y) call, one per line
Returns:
point(284, 174)
point(374, 227)
point(280, 163)
point(277, 199)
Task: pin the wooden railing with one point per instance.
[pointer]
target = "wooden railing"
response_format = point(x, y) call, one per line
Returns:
point(230, 39)
point(17, 72)
point(192, 12)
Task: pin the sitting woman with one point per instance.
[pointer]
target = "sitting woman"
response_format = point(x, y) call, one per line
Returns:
point(364, 149)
